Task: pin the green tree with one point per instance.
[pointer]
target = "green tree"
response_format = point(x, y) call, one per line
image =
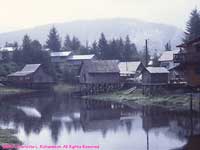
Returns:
point(168, 46)
point(103, 47)
point(53, 42)
point(67, 44)
point(26, 50)
point(75, 44)
point(193, 26)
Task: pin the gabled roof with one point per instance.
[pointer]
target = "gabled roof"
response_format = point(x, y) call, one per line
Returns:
point(168, 55)
point(9, 49)
point(129, 67)
point(157, 70)
point(28, 69)
point(81, 57)
point(61, 54)
point(102, 66)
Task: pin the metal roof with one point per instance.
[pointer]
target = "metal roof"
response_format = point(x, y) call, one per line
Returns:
point(61, 54)
point(129, 67)
point(157, 70)
point(168, 55)
point(28, 69)
point(81, 57)
point(9, 49)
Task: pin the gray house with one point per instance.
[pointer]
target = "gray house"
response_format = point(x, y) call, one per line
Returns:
point(100, 75)
point(167, 59)
point(31, 75)
point(155, 76)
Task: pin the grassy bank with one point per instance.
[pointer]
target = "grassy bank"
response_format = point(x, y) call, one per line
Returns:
point(170, 101)
point(7, 137)
point(4, 90)
point(65, 88)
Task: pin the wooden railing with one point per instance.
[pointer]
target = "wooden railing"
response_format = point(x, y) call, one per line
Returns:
point(187, 58)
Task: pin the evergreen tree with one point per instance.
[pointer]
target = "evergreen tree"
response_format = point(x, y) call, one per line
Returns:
point(75, 44)
point(127, 49)
point(168, 46)
point(95, 49)
point(193, 26)
point(53, 42)
point(67, 43)
point(103, 47)
point(26, 50)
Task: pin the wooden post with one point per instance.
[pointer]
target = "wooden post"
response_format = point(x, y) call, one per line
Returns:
point(191, 100)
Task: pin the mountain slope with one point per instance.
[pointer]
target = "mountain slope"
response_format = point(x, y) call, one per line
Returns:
point(158, 34)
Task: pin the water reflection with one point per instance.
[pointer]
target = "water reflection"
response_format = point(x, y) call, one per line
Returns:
point(57, 119)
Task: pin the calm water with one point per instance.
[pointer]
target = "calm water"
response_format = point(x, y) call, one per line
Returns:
point(51, 119)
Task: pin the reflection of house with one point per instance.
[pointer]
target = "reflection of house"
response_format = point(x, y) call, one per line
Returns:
point(155, 76)
point(189, 59)
point(6, 53)
point(30, 75)
point(130, 69)
point(166, 59)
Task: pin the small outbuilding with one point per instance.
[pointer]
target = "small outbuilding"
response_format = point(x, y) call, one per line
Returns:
point(100, 75)
point(32, 75)
point(155, 76)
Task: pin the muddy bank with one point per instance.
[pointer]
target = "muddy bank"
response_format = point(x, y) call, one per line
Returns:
point(169, 101)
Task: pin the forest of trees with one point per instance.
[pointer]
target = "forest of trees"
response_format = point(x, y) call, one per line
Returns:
point(32, 51)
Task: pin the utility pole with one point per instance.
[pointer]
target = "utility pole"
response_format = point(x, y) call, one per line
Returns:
point(146, 52)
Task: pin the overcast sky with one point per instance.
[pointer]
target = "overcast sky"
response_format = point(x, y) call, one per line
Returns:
point(19, 14)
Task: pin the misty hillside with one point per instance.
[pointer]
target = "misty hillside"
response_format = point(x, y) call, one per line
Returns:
point(158, 34)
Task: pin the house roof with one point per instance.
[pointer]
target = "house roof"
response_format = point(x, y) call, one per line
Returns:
point(28, 69)
point(9, 49)
point(129, 67)
point(157, 70)
point(168, 55)
point(61, 54)
point(81, 57)
point(102, 66)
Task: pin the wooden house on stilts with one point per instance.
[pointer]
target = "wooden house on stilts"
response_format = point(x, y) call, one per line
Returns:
point(189, 61)
point(99, 76)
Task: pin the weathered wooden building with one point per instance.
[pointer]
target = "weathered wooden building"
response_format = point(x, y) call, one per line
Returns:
point(32, 75)
point(130, 69)
point(167, 59)
point(100, 75)
point(74, 62)
point(155, 76)
point(189, 59)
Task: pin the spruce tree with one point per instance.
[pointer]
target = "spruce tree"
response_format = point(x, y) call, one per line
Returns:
point(103, 47)
point(193, 26)
point(53, 42)
point(168, 46)
point(67, 43)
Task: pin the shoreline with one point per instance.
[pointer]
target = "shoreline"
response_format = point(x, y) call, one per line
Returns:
point(177, 102)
